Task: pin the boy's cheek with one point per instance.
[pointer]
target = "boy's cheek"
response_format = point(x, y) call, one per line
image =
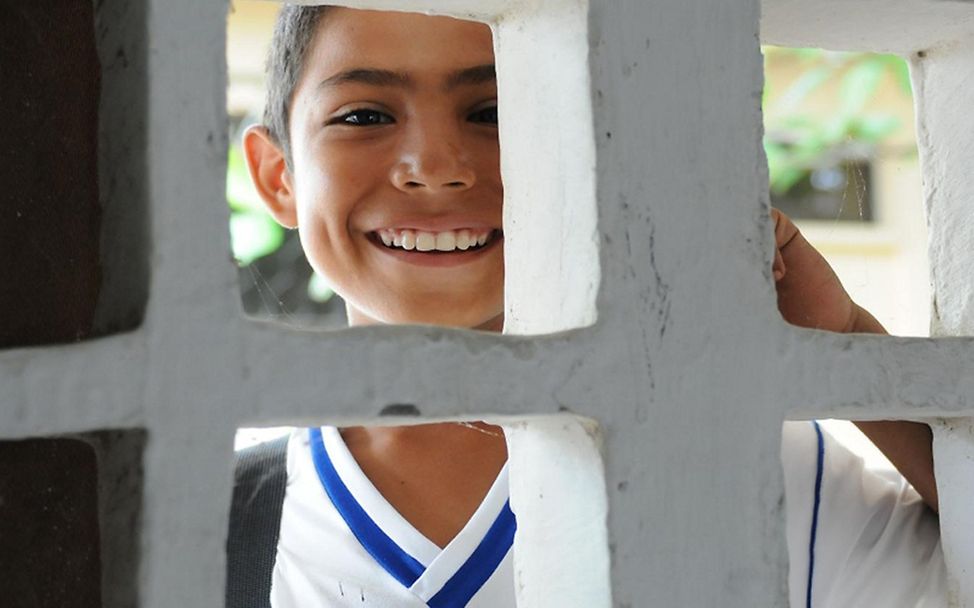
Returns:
point(341, 179)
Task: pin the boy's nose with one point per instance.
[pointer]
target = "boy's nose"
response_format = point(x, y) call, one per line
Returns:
point(432, 162)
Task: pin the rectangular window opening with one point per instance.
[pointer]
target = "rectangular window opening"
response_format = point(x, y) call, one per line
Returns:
point(70, 509)
point(74, 210)
point(439, 511)
point(381, 222)
point(381, 198)
point(843, 164)
point(838, 484)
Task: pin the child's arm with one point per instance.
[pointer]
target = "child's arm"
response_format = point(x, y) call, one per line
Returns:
point(810, 295)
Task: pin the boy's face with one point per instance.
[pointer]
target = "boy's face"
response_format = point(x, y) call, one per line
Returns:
point(395, 152)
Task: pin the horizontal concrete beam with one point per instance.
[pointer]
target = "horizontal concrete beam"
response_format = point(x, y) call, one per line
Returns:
point(862, 377)
point(888, 26)
point(69, 389)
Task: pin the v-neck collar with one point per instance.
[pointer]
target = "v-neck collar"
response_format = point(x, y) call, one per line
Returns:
point(442, 578)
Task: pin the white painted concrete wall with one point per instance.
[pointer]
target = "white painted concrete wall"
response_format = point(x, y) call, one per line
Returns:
point(943, 78)
point(688, 370)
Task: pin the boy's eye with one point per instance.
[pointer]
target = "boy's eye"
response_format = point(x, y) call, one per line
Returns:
point(363, 118)
point(486, 115)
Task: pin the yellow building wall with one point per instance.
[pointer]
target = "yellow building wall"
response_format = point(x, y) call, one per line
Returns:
point(883, 264)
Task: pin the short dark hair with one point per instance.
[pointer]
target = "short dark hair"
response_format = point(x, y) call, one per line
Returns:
point(294, 33)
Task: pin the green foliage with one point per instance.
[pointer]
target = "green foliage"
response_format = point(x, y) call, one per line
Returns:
point(253, 232)
point(797, 141)
point(319, 290)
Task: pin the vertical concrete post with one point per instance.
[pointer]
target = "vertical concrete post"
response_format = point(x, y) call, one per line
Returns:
point(569, 505)
point(687, 325)
point(192, 322)
point(953, 442)
point(942, 83)
point(548, 164)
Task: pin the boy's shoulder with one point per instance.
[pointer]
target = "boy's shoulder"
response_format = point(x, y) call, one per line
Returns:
point(856, 535)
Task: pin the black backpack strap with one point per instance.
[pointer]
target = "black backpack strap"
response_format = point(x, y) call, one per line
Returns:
point(260, 477)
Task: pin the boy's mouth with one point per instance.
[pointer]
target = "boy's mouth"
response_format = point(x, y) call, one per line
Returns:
point(446, 241)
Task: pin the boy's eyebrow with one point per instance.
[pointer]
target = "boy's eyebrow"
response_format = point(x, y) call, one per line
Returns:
point(383, 78)
point(480, 74)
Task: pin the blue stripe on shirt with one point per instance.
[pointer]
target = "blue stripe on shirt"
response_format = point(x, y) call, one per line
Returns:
point(477, 570)
point(820, 467)
point(402, 566)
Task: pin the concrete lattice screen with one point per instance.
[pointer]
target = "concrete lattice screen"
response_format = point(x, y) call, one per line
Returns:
point(688, 389)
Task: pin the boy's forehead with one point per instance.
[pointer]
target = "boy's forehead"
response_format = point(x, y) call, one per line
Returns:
point(397, 41)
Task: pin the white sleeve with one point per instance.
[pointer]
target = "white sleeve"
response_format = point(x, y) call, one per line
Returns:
point(856, 536)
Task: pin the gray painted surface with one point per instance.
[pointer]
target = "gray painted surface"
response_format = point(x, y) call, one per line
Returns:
point(121, 29)
point(688, 371)
point(120, 483)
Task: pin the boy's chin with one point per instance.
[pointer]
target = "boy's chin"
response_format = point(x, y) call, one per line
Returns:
point(485, 322)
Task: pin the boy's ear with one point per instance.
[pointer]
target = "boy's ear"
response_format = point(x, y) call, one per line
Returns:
point(270, 175)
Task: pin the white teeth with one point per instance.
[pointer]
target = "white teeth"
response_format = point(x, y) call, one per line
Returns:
point(463, 240)
point(448, 240)
point(408, 240)
point(425, 241)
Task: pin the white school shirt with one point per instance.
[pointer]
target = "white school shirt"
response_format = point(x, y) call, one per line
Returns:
point(855, 538)
point(342, 544)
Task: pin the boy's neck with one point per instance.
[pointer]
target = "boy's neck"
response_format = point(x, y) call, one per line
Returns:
point(434, 475)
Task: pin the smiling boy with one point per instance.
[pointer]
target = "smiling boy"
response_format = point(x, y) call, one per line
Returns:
point(393, 146)
point(379, 145)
